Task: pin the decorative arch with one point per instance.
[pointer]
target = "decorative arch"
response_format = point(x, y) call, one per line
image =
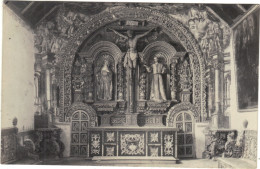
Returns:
point(164, 47)
point(85, 107)
point(185, 106)
point(169, 25)
point(106, 46)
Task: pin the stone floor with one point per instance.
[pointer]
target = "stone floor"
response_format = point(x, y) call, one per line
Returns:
point(184, 163)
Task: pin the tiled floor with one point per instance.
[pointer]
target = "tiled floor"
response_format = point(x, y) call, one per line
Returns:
point(185, 163)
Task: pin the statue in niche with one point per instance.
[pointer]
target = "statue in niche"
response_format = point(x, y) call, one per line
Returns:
point(157, 89)
point(131, 55)
point(104, 82)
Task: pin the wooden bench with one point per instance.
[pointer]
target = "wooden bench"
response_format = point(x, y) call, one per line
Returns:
point(249, 153)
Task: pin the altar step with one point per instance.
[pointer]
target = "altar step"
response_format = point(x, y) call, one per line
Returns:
point(136, 159)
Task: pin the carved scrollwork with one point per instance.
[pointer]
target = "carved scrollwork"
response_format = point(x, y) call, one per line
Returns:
point(171, 25)
point(82, 106)
point(184, 106)
point(185, 76)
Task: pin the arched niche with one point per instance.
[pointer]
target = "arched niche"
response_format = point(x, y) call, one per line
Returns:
point(169, 25)
point(99, 53)
point(84, 107)
point(167, 51)
point(185, 106)
point(167, 55)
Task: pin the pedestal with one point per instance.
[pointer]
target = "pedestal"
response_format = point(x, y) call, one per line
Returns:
point(131, 120)
point(185, 96)
point(155, 120)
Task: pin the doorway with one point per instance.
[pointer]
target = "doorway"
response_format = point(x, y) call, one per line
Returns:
point(184, 122)
point(79, 134)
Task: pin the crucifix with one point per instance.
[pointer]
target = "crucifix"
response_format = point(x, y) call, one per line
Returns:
point(130, 63)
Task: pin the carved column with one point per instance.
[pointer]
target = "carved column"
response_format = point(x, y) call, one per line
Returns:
point(37, 82)
point(88, 79)
point(185, 81)
point(173, 79)
point(120, 76)
point(47, 65)
point(142, 84)
point(217, 115)
point(210, 82)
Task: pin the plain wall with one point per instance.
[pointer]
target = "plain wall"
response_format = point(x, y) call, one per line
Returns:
point(17, 72)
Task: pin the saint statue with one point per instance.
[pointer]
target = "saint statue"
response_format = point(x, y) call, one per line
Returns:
point(104, 82)
point(157, 89)
point(131, 55)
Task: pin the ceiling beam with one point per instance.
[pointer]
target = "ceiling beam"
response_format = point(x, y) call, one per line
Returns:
point(241, 7)
point(27, 7)
point(252, 9)
point(216, 15)
point(47, 14)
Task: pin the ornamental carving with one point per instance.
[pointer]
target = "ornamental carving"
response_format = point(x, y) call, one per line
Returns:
point(184, 106)
point(95, 144)
point(171, 27)
point(168, 144)
point(185, 76)
point(82, 106)
point(132, 144)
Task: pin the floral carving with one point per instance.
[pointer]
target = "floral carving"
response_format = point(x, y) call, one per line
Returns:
point(95, 144)
point(172, 26)
point(110, 137)
point(185, 76)
point(168, 144)
point(132, 144)
point(154, 137)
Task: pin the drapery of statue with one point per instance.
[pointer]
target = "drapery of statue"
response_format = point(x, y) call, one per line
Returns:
point(157, 92)
point(104, 82)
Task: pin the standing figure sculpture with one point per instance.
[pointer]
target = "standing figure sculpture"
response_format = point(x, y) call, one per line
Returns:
point(104, 83)
point(131, 55)
point(157, 89)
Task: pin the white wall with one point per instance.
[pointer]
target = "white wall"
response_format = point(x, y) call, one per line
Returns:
point(17, 72)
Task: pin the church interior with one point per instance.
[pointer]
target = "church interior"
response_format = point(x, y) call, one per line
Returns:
point(107, 83)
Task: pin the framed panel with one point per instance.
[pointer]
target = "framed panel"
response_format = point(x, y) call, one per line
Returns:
point(110, 137)
point(84, 116)
point(187, 117)
point(76, 116)
point(154, 150)
point(74, 150)
point(83, 150)
point(188, 139)
point(154, 137)
point(110, 150)
point(83, 138)
point(181, 151)
point(75, 126)
point(95, 141)
point(74, 138)
point(168, 143)
point(188, 150)
point(132, 143)
point(180, 127)
point(188, 126)
point(180, 139)
point(84, 126)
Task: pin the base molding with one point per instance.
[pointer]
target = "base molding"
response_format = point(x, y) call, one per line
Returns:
point(136, 159)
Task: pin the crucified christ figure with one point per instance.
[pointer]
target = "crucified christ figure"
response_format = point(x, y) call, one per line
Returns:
point(131, 55)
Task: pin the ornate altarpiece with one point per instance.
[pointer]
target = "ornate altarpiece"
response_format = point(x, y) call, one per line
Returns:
point(86, 66)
